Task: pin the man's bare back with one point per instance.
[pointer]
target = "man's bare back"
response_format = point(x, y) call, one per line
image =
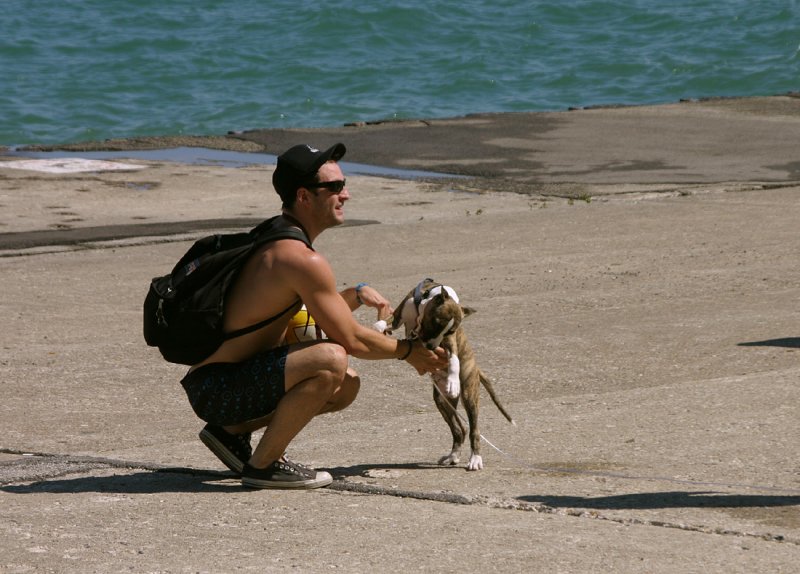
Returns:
point(260, 293)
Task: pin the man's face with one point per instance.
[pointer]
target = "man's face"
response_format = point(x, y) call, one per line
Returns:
point(329, 206)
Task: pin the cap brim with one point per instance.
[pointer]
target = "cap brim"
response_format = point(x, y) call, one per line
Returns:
point(335, 152)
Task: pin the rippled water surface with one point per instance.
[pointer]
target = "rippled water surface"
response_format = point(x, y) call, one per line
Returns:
point(94, 69)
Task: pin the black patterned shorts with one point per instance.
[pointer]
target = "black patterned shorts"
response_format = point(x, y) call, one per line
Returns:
point(233, 393)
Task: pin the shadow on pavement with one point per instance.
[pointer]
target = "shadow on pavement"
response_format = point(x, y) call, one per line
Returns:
point(363, 469)
point(145, 482)
point(787, 342)
point(655, 500)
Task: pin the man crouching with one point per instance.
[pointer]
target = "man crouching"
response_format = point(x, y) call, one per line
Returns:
point(255, 381)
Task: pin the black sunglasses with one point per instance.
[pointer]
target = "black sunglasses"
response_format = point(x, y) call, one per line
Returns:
point(335, 187)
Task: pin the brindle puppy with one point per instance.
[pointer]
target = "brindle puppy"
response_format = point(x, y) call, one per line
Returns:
point(432, 313)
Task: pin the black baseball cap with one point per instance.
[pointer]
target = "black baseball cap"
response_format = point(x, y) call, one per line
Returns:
point(299, 164)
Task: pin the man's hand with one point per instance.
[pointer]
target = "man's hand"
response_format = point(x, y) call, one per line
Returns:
point(425, 360)
point(371, 298)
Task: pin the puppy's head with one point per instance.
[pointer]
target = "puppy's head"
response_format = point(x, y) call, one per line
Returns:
point(441, 318)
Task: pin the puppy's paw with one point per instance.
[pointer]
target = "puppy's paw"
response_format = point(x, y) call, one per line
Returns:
point(453, 388)
point(475, 462)
point(382, 327)
point(450, 460)
point(453, 376)
point(448, 383)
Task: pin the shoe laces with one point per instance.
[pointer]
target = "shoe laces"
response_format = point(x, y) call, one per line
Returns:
point(295, 467)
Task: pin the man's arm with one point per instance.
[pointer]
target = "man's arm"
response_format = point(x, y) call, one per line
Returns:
point(311, 277)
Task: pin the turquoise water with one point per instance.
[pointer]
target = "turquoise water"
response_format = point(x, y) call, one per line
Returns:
point(93, 69)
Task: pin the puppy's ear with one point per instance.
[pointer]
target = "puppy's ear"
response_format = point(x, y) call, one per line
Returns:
point(468, 311)
point(395, 323)
point(395, 319)
point(397, 316)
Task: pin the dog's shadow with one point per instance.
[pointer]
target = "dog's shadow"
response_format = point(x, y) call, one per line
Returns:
point(364, 469)
point(660, 500)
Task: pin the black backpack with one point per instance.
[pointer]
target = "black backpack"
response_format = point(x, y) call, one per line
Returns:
point(183, 311)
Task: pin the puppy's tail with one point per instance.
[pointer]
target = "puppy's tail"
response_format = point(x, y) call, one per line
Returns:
point(487, 384)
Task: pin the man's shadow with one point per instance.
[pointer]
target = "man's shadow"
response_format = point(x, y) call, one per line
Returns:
point(178, 480)
point(658, 500)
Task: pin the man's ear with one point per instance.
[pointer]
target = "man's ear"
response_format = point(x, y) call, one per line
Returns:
point(468, 311)
point(303, 195)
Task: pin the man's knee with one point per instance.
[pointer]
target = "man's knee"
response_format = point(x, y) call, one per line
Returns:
point(321, 367)
point(330, 369)
point(335, 361)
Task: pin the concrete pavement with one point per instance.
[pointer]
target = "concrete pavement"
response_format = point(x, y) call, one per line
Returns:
point(643, 333)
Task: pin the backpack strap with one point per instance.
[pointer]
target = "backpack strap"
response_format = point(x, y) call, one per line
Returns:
point(273, 229)
point(260, 324)
point(267, 231)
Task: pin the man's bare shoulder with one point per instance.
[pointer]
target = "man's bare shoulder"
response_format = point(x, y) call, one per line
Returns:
point(290, 254)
